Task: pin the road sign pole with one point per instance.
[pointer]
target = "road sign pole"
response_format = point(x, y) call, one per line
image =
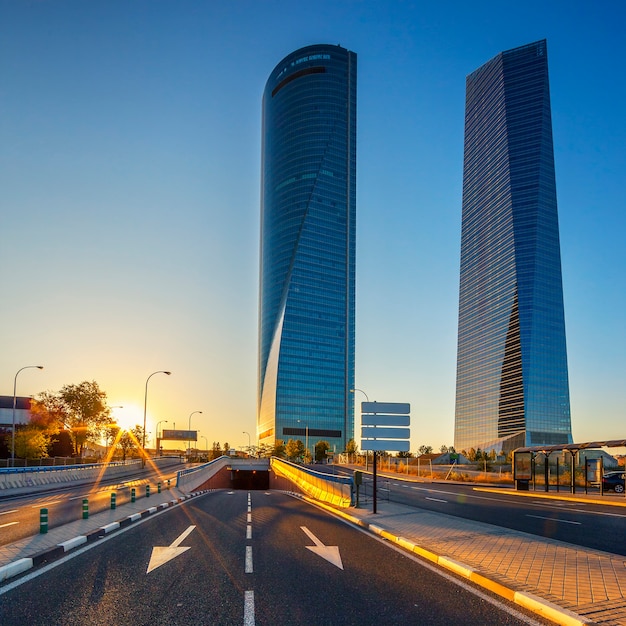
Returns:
point(374, 487)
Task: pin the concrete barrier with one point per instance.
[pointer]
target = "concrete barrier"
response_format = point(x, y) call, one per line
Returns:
point(336, 490)
point(191, 479)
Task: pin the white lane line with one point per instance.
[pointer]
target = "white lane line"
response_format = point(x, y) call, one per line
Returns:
point(248, 608)
point(7, 512)
point(8, 524)
point(249, 569)
point(249, 532)
point(45, 504)
point(435, 499)
point(552, 519)
point(249, 508)
point(249, 520)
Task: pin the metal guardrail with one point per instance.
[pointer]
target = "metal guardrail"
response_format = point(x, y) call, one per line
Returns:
point(337, 490)
point(36, 469)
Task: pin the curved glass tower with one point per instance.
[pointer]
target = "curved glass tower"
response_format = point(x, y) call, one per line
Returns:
point(512, 381)
point(307, 255)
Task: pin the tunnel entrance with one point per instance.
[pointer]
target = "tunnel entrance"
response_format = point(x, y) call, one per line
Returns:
point(250, 479)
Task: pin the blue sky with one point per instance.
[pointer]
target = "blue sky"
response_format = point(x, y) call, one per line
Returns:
point(129, 196)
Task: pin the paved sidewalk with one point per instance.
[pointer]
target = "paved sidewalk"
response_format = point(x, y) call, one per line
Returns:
point(565, 583)
point(20, 556)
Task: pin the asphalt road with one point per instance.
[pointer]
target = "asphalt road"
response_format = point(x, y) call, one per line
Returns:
point(596, 526)
point(251, 558)
point(19, 516)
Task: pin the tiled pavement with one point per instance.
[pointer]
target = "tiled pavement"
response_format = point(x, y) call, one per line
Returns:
point(565, 583)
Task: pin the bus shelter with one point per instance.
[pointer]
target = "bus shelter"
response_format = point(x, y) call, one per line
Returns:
point(525, 464)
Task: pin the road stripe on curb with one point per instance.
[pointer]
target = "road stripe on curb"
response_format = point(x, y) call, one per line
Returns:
point(73, 543)
point(15, 568)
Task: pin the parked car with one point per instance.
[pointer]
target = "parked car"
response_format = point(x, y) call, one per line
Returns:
point(614, 481)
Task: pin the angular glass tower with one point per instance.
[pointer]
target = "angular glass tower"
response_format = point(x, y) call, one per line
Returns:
point(307, 273)
point(512, 384)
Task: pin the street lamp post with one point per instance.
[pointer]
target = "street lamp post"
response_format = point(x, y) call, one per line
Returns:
point(306, 438)
point(206, 446)
point(189, 430)
point(249, 444)
point(39, 367)
point(156, 443)
point(145, 406)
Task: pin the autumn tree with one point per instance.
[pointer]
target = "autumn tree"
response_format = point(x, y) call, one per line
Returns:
point(321, 447)
point(32, 443)
point(294, 449)
point(130, 440)
point(82, 409)
point(279, 449)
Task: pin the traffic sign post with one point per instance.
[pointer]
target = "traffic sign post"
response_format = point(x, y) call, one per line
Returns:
point(383, 428)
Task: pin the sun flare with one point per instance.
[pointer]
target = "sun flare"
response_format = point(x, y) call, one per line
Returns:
point(127, 416)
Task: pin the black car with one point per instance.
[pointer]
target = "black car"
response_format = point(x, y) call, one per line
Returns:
point(614, 481)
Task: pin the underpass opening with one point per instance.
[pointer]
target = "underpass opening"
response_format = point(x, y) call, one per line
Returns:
point(250, 479)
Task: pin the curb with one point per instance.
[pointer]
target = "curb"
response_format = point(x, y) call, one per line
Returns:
point(529, 601)
point(49, 554)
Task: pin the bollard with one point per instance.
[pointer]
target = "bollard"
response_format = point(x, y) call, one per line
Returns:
point(158, 487)
point(133, 495)
point(43, 521)
point(147, 491)
point(85, 508)
point(113, 500)
point(168, 483)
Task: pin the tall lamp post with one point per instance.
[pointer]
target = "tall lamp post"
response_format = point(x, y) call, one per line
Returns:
point(145, 406)
point(39, 367)
point(206, 446)
point(306, 438)
point(156, 442)
point(189, 430)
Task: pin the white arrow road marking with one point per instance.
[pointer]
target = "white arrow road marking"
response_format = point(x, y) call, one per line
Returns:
point(161, 555)
point(330, 553)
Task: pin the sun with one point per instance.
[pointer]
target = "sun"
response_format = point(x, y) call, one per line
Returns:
point(127, 416)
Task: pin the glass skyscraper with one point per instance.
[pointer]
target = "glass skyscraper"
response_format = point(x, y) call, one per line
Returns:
point(307, 255)
point(512, 384)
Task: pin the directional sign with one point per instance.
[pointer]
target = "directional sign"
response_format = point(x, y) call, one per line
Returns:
point(385, 433)
point(161, 555)
point(396, 408)
point(397, 445)
point(385, 420)
point(330, 553)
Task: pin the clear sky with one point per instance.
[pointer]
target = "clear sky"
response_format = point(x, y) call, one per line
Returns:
point(129, 196)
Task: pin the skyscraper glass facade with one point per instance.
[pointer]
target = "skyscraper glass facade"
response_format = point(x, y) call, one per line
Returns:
point(307, 255)
point(512, 382)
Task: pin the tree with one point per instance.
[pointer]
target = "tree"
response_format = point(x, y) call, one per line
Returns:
point(321, 447)
point(294, 449)
point(425, 449)
point(130, 440)
point(279, 449)
point(82, 409)
point(351, 447)
point(405, 455)
point(444, 449)
point(87, 412)
point(32, 443)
